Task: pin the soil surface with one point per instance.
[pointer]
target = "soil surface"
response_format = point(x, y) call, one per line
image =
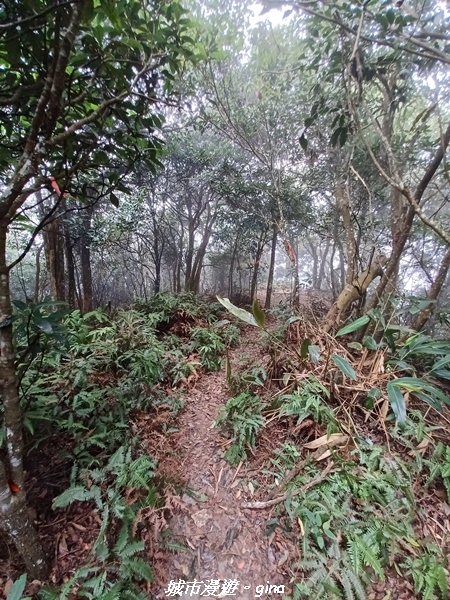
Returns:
point(226, 545)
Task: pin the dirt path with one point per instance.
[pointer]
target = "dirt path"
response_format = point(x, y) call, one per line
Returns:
point(224, 541)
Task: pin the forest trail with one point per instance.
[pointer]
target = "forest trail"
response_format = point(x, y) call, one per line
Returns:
point(223, 540)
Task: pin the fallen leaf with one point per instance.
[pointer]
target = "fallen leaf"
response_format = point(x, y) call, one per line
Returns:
point(8, 585)
point(337, 438)
point(302, 529)
point(201, 517)
point(241, 564)
point(326, 454)
point(284, 558)
point(384, 409)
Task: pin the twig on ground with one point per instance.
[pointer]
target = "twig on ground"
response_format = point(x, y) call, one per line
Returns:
point(301, 465)
point(267, 503)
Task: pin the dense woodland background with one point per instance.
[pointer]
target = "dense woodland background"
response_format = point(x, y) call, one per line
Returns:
point(292, 151)
point(286, 150)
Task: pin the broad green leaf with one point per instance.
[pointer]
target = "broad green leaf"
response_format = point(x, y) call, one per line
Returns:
point(293, 320)
point(397, 402)
point(344, 366)
point(401, 364)
point(314, 353)
point(353, 326)
point(355, 346)
point(258, 313)
point(221, 323)
point(370, 342)
point(305, 347)
point(414, 384)
point(428, 398)
point(15, 593)
point(44, 324)
point(441, 363)
point(442, 373)
point(20, 305)
point(240, 313)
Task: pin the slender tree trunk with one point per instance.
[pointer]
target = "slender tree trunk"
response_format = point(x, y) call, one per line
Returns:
point(240, 273)
point(178, 276)
point(85, 257)
point(255, 270)
point(343, 201)
point(174, 278)
point(313, 248)
point(37, 281)
point(14, 518)
point(193, 283)
point(323, 261)
point(70, 262)
point(433, 293)
point(332, 272)
point(189, 258)
point(54, 253)
point(273, 251)
point(392, 266)
point(157, 282)
point(231, 271)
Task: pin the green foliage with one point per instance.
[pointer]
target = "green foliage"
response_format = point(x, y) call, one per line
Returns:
point(114, 566)
point(361, 520)
point(309, 401)
point(240, 313)
point(16, 591)
point(242, 417)
point(127, 35)
point(165, 307)
point(209, 346)
point(90, 374)
point(428, 573)
point(229, 333)
point(417, 352)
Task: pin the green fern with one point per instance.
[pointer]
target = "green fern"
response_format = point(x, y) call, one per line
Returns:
point(429, 573)
point(308, 401)
point(242, 417)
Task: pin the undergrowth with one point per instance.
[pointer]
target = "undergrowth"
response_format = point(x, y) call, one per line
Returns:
point(82, 378)
point(364, 519)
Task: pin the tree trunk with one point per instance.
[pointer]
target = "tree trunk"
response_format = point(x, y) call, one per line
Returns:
point(332, 271)
point(353, 291)
point(273, 251)
point(85, 255)
point(14, 519)
point(312, 247)
point(54, 254)
point(70, 262)
point(231, 271)
point(293, 258)
point(193, 283)
point(37, 280)
point(189, 258)
point(255, 270)
point(323, 262)
point(157, 281)
point(343, 201)
point(392, 265)
point(433, 293)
